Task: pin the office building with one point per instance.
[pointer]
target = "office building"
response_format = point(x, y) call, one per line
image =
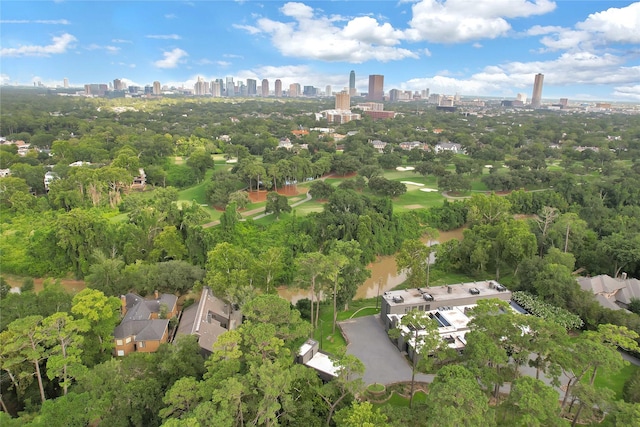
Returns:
point(95, 89)
point(536, 98)
point(252, 87)
point(66, 83)
point(200, 88)
point(309, 91)
point(230, 88)
point(294, 90)
point(278, 88)
point(352, 83)
point(265, 88)
point(327, 90)
point(118, 85)
point(564, 102)
point(343, 101)
point(376, 87)
point(216, 89)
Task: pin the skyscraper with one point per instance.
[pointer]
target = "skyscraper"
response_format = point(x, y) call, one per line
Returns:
point(278, 88)
point(216, 88)
point(536, 98)
point(157, 90)
point(327, 90)
point(294, 90)
point(265, 88)
point(343, 101)
point(66, 82)
point(252, 87)
point(352, 83)
point(376, 87)
point(118, 85)
point(230, 89)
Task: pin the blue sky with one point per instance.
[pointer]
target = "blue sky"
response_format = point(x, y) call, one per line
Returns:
point(585, 49)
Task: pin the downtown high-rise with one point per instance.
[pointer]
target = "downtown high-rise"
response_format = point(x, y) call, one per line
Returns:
point(376, 87)
point(536, 98)
point(352, 83)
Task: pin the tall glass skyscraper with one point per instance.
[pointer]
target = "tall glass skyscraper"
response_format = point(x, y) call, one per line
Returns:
point(536, 98)
point(352, 81)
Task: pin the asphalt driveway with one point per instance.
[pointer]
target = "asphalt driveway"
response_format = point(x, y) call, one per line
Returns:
point(369, 342)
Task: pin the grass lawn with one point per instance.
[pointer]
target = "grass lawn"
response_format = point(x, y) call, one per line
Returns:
point(397, 400)
point(413, 198)
point(614, 380)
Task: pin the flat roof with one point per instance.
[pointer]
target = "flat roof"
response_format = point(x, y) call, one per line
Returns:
point(323, 363)
point(486, 288)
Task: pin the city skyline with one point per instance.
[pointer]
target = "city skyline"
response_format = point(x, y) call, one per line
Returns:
point(585, 49)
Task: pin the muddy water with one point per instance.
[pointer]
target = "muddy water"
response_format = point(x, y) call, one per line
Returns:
point(384, 274)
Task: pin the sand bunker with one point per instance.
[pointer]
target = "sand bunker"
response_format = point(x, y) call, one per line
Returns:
point(488, 166)
point(412, 183)
point(428, 190)
point(232, 161)
point(404, 169)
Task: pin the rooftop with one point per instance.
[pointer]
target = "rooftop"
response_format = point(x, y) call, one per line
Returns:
point(486, 289)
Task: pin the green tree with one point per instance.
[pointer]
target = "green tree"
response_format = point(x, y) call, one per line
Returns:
point(23, 341)
point(62, 334)
point(533, 403)
point(312, 270)
point(347, 383)
point(106, 274)
point(414, 257)
point(276, 204)
point(360, 414)
point(455, 399)
point(491, 209)
point(419, 332)
point(103, 314)
point(168, 245)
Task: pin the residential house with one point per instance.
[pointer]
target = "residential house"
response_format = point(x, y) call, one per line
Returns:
point(449, 146)
point(447, 305)
point(285, 143)
point(140, 181)
point(145, 323)
point(378, 145)
point(410, 145)
point(208, 319)
point(311, 356)
point(49, 177)
point(5, 172)
point(612, 293)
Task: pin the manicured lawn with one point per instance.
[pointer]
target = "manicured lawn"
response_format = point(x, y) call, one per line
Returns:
point(411, 199)
point(197, 192)
point(397, 400)
point(615, 380)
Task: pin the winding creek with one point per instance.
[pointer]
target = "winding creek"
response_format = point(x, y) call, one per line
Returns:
point(384, 274)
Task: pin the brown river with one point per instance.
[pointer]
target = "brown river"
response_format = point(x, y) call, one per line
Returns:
point(384, 274)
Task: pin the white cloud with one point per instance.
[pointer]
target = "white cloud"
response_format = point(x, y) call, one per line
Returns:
point(331, 38)
point(170, 16)
point(223, 63)
point(171, 59)
point(457, 21)
point(539, 30)
point(628, 92)
point(621, 25)
point(109, 49)
point(204, 61)
point(477, 45)
point(426, 52)
point(163, 36)
point(120, 41)
point(231, 55)
point(59, 44)
point(36, 21)
point(570, 68)
point(4, 79)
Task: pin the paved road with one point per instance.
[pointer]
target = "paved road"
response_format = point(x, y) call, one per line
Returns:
point(369, 342)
